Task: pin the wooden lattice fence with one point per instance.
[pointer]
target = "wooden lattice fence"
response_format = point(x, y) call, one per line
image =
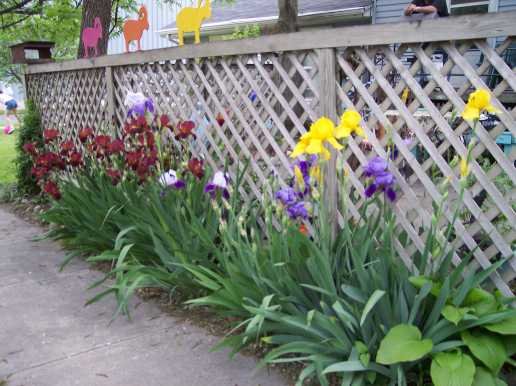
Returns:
point(252, 99)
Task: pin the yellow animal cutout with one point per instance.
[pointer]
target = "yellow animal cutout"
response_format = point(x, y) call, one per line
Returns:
point(189, 19)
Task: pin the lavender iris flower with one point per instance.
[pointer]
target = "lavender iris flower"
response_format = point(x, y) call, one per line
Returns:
point(219, 183)
point(375, 166)
point(382, 179)
point(169, 179)
point(287, 196)
point(138, 104)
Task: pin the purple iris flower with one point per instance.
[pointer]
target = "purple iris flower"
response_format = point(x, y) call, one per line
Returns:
point(297, 210)
point(219, 183)
point(375, 166)
point(382, 179)
point(287, 196)
point(370, 190)
point(169, 179)
point(141, 109)
point(138, 104)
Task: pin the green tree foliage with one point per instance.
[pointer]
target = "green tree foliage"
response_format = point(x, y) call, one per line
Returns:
point(249, 31)
point(30, 131)
point(58, 21)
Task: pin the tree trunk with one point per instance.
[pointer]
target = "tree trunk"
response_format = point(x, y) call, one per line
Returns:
point(90, 10)
point(287, 20)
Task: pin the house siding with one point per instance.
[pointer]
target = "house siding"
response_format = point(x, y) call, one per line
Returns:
point(506, 5)
point(388, 11)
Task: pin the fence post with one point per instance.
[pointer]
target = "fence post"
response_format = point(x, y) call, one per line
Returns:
point(328, 108)
point(110, 94)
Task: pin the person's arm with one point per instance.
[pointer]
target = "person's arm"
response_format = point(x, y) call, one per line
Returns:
point(427, 9)
point(410, 9)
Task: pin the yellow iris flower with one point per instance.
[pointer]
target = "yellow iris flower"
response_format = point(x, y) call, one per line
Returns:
point(464, 167)
point(315, 173)
point(478, 101)
point(349, 124)
point(321, 131)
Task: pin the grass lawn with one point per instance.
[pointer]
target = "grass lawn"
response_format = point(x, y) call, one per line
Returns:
point(7, 156)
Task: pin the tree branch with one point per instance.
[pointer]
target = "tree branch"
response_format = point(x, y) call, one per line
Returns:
point(115, 22)
point(19, 7)
point(12, 24)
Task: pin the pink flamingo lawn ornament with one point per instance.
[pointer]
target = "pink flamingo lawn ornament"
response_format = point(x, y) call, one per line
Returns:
point(91, 37)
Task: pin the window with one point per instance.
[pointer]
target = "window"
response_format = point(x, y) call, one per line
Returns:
point(32, 54)
point(461, 7)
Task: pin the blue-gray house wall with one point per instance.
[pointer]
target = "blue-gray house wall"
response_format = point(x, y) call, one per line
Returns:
point(388, 11)
point(506, 5)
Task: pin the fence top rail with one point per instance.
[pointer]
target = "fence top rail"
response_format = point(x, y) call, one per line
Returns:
point(449, 28)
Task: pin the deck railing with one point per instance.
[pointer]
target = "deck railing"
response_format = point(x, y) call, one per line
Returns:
point(266, 91)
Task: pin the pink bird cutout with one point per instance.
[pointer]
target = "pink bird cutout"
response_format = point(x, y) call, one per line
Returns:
point(91, 37)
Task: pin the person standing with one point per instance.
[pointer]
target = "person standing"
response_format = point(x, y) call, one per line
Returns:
point(425, 9)
point(11, 106)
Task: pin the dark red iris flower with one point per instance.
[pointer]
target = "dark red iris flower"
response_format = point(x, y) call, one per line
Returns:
point(132, 158)
point(31, 148)
point(196, 167)
point(60, 164)
point(52, 189)
point(48, 160)
point(75, 159)
point(164, 120)
point(150, 139)
point(132, 128)
point(85, 133)
point(141, 121)
point(50, 135)
point(116, 147)
point(67, 146)
point(185, 129)
point(39, 172)
point(220, 119)
point(143, 169)
point(103, 141)
point(115, 175)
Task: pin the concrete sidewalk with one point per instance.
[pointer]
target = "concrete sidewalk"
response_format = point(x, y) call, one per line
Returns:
point(48, 337)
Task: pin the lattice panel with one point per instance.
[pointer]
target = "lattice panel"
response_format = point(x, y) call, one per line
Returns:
point(255, 106)
point(409, 98)
point(70, 100)
point(247, 107)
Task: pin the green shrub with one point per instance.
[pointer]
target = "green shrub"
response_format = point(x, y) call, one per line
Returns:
point(30, 131)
